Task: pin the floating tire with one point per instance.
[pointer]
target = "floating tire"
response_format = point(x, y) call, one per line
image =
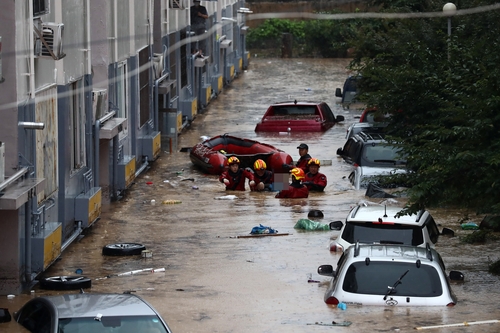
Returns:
point(65, 282)
point(123, 249)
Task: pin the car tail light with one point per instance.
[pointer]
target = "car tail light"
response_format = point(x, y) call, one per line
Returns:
point(450, 304)
point(334, 247)
point(356, 165)
point(332, 300)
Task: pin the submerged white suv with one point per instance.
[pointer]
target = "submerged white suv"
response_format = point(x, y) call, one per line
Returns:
point(379, 224)
point(390, 275)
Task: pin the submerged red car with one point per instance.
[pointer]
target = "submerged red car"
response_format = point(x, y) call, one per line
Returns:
point(297, 116)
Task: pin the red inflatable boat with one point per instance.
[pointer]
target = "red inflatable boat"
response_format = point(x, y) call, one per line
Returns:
point(211, 155)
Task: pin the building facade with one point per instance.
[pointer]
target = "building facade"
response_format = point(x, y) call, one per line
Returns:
point(89, 90)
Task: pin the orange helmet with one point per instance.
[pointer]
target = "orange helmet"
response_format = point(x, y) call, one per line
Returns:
point(314, 161)
point(233, 160)
point(298, 173)
point(259, 165)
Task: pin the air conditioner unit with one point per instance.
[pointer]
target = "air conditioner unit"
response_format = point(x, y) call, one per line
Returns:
point(52, 34)
point(99, 103)
point(41, 7)
point(158, 60)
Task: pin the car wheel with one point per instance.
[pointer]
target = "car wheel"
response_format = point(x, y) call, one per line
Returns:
point(65, 282)
point(123, 249)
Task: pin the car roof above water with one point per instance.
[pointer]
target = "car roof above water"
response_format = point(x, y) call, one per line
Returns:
point(390, 252)
point(89, 305)
point(385, 214)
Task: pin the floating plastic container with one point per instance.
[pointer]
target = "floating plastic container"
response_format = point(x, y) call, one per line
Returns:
point(469, 226)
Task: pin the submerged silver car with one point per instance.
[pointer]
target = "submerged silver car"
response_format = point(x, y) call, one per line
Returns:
point(90, 313)
point(390, 275)
point(379, 224)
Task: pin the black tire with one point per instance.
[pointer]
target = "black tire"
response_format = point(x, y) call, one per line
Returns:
point(65, 282)
point(123, 249)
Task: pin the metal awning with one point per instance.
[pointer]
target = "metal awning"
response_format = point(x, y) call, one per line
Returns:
point(17, 195)
point(112, 127)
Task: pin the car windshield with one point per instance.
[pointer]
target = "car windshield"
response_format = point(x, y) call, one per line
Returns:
point(294, 110)
point(376, 277)
point(382, 233)
point(380, 154)
point(119, 324)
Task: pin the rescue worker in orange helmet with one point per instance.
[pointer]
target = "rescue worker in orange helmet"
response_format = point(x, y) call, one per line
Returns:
point(296, 189)
point(234, 177)
point(264, 178)
point(314, 180)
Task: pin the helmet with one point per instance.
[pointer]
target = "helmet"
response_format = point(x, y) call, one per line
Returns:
point(298, 173)
point(259, 165)
point(233, 160)
point(314, 161)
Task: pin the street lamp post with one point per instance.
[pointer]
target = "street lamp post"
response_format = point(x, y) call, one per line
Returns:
point(449, 9)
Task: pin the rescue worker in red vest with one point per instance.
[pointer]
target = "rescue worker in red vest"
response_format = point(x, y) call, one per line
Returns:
point(296, 189)
point(314, 180)
point(263, 178)
point(304, 158)
point(234, 177)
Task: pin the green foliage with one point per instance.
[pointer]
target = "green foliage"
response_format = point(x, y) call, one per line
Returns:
point(326, 38)
point(445, 109)
point(270, 33)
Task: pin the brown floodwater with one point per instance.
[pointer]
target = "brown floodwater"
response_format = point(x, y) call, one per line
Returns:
point(216, 282)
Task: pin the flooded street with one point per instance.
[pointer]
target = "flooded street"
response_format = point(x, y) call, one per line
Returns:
point(216, 282)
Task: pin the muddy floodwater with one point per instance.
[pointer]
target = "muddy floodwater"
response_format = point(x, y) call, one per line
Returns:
point(216, 282)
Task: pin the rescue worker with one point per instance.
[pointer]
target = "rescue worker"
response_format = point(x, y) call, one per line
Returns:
point(234, 177)
point(264, 178)
point(314, 180)
point(304, 158)
point(296, 189)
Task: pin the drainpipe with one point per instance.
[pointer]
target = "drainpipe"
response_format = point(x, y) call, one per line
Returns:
point(97, 128)
point(27, 240)
point(115, 167)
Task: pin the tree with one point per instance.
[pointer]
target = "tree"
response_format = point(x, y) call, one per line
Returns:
point(445, 112)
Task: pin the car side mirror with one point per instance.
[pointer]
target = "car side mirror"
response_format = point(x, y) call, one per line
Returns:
point(336, 225)
point(340, 152)
point(5, 316)
point(338, 92)
point(326, 270)
point(448, 232)
point(339, 118)
point(455, 276)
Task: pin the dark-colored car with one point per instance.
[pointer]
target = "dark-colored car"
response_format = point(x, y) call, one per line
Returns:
point(350, 91)
point(370, 149)
point(297, 116)
point(90, 313)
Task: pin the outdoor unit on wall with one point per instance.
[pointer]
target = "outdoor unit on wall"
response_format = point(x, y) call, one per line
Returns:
point(99, 103)
point(41, 7)
point(49, 41)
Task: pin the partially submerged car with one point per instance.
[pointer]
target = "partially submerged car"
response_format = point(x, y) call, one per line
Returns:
point(349, 93)
point(295, 116)
point(379, 224)
point(88, 312)
point(390, 275)
point(371, 157)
